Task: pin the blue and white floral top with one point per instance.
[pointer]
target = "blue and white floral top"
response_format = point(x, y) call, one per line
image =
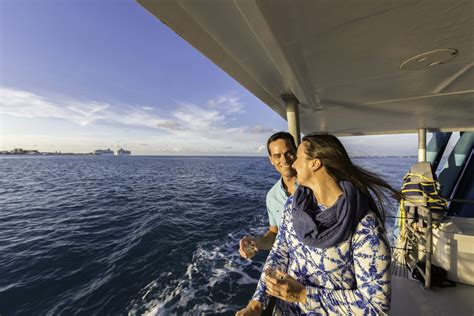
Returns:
point(352, 278)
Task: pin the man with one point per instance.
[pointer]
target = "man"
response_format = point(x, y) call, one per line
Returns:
point(281, 152)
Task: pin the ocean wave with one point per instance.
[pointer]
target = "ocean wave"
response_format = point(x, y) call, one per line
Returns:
point(138, 235)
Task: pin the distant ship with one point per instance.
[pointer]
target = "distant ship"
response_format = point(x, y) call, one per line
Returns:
point(122, 151)
point(103, 152)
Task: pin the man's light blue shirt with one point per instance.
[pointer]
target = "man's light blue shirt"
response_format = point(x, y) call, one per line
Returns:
point(276, 199)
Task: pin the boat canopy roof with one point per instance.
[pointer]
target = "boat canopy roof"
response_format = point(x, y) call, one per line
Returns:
point(356, 67)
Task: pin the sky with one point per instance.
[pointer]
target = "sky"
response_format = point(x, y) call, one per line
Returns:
point(80, 75)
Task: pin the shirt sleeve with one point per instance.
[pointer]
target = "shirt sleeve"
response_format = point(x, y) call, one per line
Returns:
point(271, 216)
point(277, 258)
point(371, 259)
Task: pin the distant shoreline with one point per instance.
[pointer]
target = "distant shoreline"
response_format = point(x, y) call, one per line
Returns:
point(182, 156)
point(48, 154)
point(35, 152)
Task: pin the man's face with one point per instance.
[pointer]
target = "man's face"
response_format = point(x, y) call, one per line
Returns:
point(282, 155)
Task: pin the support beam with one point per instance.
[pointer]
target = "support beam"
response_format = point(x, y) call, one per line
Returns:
point(422, 144)
point(292, 116)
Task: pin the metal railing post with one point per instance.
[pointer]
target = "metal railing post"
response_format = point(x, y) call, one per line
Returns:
point(429, 220)
point(429, 249)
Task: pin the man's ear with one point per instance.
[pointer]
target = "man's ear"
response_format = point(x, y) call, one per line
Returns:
point(270, 158)
point(315, 164)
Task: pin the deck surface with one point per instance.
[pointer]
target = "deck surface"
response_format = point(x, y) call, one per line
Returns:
point(410, 298)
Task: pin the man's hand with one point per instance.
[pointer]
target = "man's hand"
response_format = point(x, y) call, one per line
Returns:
point(284, 286)
point(253, 308)
point(247, 247)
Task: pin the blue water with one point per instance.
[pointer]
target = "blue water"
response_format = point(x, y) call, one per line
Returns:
point(135, 235)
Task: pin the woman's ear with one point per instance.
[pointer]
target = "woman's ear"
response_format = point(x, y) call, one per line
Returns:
point(315, 164)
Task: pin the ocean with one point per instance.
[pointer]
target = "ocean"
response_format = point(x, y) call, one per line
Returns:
point(136, 235)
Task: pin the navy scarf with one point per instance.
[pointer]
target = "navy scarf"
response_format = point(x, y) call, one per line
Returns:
point(327, 228)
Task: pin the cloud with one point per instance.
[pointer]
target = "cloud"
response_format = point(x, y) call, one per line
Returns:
point(188, 128)
point(258, 129)
point(170, 124)
point(226, 104)
point(85, 112)
point(196, 118)
point(187, 116)
point(27, 104)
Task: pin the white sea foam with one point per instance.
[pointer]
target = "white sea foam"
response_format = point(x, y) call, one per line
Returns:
point(213, 264)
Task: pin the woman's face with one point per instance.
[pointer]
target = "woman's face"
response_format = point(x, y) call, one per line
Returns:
point(302, 165)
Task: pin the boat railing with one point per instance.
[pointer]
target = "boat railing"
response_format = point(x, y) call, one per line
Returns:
point(419, 247)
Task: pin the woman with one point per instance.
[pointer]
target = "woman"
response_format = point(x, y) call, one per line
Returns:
point(331, 255)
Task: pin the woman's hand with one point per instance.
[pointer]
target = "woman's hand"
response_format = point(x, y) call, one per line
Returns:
point(284, 286)
point(253, 308)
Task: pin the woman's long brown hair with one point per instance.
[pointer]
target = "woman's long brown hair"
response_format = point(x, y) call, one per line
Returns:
point(332, 154)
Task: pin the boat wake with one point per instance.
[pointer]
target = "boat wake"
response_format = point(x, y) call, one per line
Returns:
point(216, 281)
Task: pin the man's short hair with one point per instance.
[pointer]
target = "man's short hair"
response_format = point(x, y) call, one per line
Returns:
point(281, 135)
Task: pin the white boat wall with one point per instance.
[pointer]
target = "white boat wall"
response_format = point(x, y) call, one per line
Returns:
point(360, 68)
point(121, 152)
point(103, 152)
